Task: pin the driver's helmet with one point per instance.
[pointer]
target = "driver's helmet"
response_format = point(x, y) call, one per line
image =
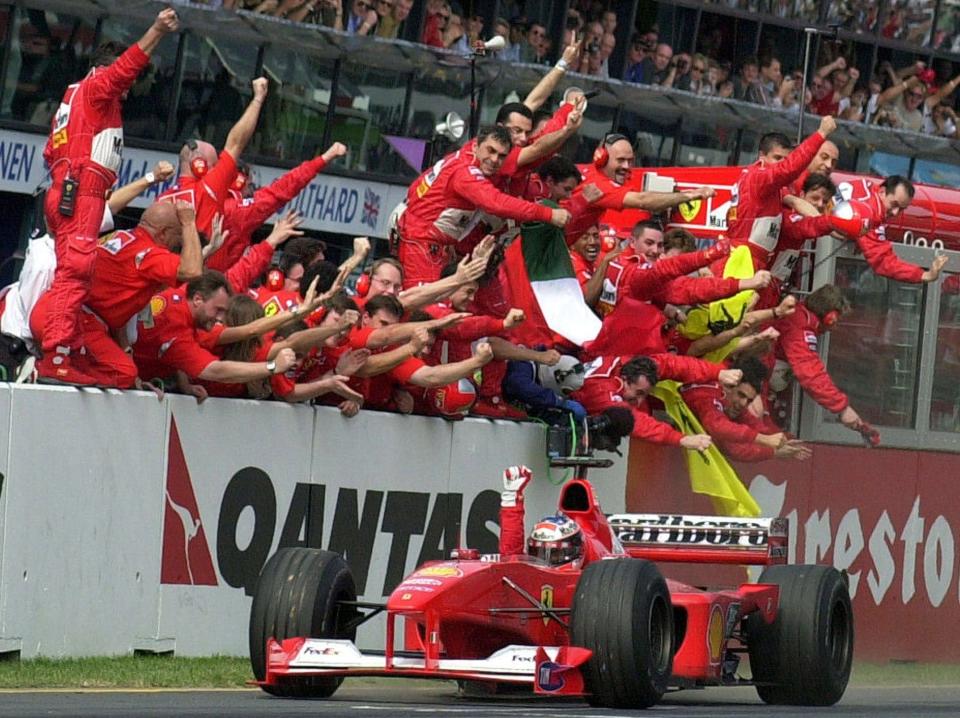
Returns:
point(556, 540)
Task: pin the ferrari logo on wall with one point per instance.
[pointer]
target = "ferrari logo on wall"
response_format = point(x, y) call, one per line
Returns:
point(546, 599)
point(689, 210)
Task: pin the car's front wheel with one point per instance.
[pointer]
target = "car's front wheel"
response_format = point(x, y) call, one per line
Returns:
point(299, 594)
point(623, 613)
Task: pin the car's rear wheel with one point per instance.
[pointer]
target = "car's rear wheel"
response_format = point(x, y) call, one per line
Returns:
point(804, 656)
point(622, 612)
point(298, 594)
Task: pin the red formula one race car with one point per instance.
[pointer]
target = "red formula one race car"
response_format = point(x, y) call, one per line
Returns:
point(605, 625)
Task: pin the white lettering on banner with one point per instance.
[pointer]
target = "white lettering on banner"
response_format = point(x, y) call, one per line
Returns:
point(848, 544)
point(883, 535)
point(330, 203)
point(16, 161)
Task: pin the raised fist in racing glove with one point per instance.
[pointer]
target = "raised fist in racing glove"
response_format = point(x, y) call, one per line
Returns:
point(515, 479)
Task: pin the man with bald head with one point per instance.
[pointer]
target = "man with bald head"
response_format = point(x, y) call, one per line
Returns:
point(205, 177)
point(131, 267)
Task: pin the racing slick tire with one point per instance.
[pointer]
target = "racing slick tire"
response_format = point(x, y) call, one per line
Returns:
point(804, 656)
point(622, 612)
point(297, 594)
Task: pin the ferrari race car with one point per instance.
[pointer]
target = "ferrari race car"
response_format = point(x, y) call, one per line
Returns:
point(607, 627)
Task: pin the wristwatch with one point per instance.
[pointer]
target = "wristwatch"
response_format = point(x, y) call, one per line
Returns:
point(150, 177)
point(272, 366)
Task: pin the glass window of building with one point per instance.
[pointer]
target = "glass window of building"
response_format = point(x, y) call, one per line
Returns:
point(48, 51)
point(146, 107)
point(875, 349)
point(910, 21)
point(859, 16)
point(945, 396)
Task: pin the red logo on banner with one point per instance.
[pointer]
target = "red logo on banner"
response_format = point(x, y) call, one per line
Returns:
point(186, 554)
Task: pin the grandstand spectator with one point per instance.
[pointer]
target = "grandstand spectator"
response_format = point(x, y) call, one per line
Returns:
point(609, 21)
point(438, 13)
point(655, 69)
point(696, 80)
point(908, 100)
point(170, 340)
point(205, 179)
point(441, 203)
point(613, 381)
point(473, 33)
point(390, 23)
point(83, 153)
point(531, 47)
point(765, 89)
point(636, 54)
point(943, 122)
point(749, 74)
point(362, 18)
point(510, 52)
point(607, 44)
point(724, 414)
point(453, 33)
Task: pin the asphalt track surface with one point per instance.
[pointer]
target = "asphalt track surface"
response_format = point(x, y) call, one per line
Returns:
point(389, 700)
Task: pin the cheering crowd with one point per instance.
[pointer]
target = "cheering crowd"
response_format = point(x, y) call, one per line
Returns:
point(505, 295)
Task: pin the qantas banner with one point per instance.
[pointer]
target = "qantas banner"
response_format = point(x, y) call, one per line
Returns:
point(889, 518)
point(132, 524)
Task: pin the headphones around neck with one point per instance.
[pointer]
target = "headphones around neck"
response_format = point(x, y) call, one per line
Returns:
point(601, 155)
point(198, 165)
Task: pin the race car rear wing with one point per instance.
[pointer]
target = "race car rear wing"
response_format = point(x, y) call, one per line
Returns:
point(702, 539)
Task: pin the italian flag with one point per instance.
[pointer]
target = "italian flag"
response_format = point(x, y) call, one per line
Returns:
point(542, 283)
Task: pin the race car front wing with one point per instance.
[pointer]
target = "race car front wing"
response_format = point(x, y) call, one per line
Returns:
point(553, 670)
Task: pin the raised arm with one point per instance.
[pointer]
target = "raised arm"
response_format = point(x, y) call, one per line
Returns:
point(548, 83)
point(122, 196)
point(242, 131)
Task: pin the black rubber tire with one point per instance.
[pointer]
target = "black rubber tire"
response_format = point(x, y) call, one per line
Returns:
point(622, 612)
point(297, 594)
point(804, 656)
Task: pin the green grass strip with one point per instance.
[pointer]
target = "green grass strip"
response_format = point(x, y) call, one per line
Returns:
point(139, 672)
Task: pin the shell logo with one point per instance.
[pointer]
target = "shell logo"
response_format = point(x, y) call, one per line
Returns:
point(157, 305)
point(440, 571)
point(715, 634)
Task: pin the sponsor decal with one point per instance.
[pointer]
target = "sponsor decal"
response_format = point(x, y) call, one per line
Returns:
point(186, 554)
point(157, 304)
point(325, 651)
point(445, 571)
point(413, 581)
point(689, 210)
point(715, 634)
point(546, 598)
point(694, 530)
point(549, 678)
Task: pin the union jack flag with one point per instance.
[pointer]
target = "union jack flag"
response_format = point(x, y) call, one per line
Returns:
point(371, 208)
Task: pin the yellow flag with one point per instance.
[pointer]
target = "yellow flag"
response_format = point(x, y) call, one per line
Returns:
point(729, 312)
point(710, 472)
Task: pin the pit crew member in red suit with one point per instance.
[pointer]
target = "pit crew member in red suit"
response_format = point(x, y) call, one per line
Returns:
point(615, 381)
point(723, 412)
point(755, 215)
point(205, 179)
point(131, 267)
point(876, 203)
point(442, 204)
point(84, 152)
point(612, 163)
point(243, 216)
point(168, 341)
point(798, 346)
point(823, 163)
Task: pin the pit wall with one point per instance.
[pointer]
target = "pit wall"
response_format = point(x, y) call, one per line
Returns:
point(128, 524)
